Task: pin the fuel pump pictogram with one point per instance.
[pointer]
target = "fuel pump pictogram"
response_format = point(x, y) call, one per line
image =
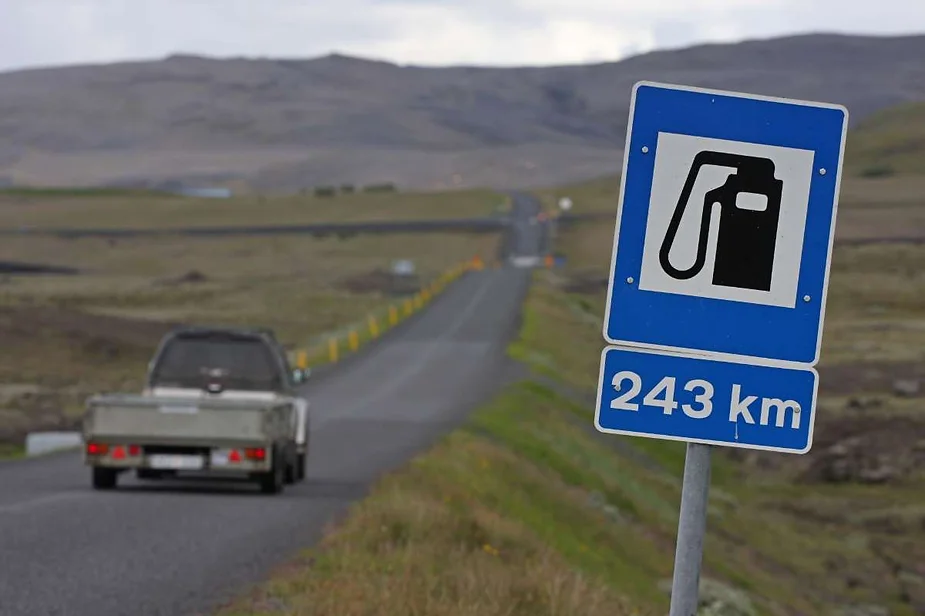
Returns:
point(747, 238)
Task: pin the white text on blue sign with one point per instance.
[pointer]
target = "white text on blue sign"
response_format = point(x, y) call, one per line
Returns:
point(686, 398)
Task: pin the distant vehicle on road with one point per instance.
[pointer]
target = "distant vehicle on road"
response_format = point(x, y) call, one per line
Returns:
point(217, 401)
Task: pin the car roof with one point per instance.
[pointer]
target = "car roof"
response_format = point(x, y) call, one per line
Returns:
point(196, 331)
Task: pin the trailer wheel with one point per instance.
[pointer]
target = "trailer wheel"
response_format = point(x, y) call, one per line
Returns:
point(300, 467)
point(271, 482)
point(104, 478)
point(291, 474)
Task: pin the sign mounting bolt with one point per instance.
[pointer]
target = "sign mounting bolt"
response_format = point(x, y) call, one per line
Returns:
point(629, 280)
point(822, 171)
point(645, 149)
point(806, 298)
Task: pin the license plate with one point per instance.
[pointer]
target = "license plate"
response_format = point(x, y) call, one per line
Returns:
point(175, 409)
point(175, 463)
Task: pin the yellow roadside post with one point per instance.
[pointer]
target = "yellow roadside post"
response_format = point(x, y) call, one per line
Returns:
point(373, 327)
point(408, 307)
point(353, 340)
point(333, 347)
point(393, 316)
point(418, 300)
point(301, 360)
point(425, 296)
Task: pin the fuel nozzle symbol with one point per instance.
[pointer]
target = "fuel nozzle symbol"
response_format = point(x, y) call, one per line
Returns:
point(747, 237)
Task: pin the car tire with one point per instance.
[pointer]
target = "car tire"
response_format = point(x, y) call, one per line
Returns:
point(272, 481)
point(300, 467)
point(292, 472)
point(105, 478)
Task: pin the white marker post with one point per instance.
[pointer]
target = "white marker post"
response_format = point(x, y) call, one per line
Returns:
point(692, 527)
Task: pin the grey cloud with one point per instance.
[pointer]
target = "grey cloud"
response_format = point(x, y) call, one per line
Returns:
point(35, 32)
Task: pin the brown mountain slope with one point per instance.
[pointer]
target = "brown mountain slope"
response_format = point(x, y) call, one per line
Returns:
point(285, 124)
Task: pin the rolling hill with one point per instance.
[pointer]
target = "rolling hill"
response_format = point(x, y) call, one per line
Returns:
point(283, 124)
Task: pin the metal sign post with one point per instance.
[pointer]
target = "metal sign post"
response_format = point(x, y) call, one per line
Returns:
point(692, 526)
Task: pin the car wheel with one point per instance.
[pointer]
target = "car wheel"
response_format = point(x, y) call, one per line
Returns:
point(272, 481)
point(104, 478)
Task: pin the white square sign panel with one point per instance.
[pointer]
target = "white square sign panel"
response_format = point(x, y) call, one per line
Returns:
point(737, 233)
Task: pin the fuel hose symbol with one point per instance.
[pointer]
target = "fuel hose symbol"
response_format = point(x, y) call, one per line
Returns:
point(747, 238)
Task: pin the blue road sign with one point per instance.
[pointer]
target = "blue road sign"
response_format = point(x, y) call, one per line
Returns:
point(726, 402)
point(725, 224)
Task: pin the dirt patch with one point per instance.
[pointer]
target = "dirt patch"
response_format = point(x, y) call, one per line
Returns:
point(867, 450)
point(54, 358)
point(862, 444)
point(905, 378)
point(191, 277)
point(25, 324)
point(585, 283)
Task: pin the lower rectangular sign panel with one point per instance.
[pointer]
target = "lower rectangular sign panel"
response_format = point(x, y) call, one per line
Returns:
point(745, 404)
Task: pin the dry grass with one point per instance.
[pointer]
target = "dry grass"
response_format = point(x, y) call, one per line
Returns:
point(892, 141)
point(153, 211)
point(869, 208)
point(66, 337)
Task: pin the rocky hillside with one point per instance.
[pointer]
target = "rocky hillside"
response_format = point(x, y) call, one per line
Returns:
point(284, 124)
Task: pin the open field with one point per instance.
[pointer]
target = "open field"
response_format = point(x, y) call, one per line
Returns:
point(889, 142)
point(65, 337)
point(154, 210)
point(527, 510)
point(869, 208)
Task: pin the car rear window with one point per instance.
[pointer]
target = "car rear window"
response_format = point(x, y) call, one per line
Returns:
point(233, 362)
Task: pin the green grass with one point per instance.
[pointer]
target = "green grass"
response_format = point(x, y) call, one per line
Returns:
point(891, 142)
point(8, 451)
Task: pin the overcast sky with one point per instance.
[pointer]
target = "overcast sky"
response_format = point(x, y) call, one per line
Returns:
point(484, 32)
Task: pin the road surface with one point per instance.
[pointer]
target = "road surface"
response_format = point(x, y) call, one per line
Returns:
point(178, 548)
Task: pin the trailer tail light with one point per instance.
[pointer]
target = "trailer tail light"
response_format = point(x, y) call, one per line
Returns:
point(134, 450)
point(256, 453)
point(97, 449)
point(118, 452)
point(234, 456)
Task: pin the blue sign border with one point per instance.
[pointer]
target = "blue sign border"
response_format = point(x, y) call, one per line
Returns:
point(750, 365)
point(668, 321)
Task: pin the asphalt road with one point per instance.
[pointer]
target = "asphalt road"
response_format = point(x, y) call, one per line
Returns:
point(177, 548)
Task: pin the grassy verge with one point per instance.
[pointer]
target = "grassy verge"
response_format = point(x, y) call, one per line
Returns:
point(527, 510)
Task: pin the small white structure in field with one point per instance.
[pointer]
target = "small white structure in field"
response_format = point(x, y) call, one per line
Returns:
point(403, 267)
point(38, 443)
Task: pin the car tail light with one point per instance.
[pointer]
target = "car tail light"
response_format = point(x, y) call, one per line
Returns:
point(118, 452)
point(234, 456)
point(97, 449)
point(134, 451)
point(255, 453)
